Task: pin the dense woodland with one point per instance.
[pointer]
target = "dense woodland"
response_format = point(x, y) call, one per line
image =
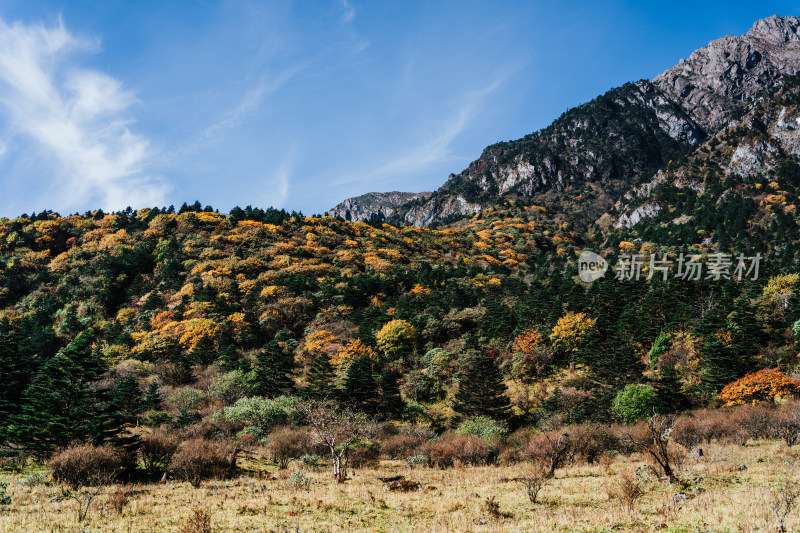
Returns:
point(164, 318)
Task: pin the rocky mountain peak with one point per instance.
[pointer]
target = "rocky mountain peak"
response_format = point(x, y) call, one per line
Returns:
point(716, 81)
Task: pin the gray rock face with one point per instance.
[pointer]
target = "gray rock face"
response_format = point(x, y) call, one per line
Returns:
point(715, 81)
point(374, 205)
point(620, 137)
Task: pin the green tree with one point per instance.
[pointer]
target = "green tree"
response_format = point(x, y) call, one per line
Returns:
point(481, 391)
point(273, 371)
point(321, 378)
point(152, 396)
point(61, 406)
point(391, 404)
point(634, 403)
point(360, 386)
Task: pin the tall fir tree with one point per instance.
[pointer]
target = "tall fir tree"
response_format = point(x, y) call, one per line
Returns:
point(391, 403)
point(273, 371)
point(481, 392)
point(360, 386)
point(321, 378)
point(152, 396)
point(61, 406)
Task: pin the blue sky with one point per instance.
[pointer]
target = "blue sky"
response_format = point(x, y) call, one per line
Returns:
point(302, 104)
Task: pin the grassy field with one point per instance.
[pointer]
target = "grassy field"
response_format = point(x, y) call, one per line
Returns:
point(721, 497)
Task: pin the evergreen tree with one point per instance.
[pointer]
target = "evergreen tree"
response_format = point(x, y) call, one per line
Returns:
point(152, 397)
point(321, 379)
point(126, 398)
point(229, 359)
point(481, 391)
point(391, 404)
point(360, 386)
point(60, 406)
point(273, 371)
point(203, 352)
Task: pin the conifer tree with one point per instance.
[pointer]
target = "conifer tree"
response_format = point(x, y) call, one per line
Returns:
point(60, 406)
point(481, 391)
point(360, 386)
point(126, 398)
point(203, 352)
point(321, 379)
point(273, 371)
point(391, 404)
point(152, 397)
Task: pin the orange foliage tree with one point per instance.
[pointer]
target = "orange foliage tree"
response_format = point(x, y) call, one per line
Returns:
point(767, 384)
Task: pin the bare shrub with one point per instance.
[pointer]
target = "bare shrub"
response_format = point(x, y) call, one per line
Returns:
point(156, 449)
point(120, 498)
point(784, 500)
point(652, 437)
point(86, 465)
point(752, 421)
point(592, 440)
point(401, 446)
point(363, 455)
point(198, 522)
point(554, 449)
point(686, 433)
point(286, 444)
point(786, 423)
point(492, 508)
point(199, 459)
point(534, 477)
point(627, 491)
point(465, 449)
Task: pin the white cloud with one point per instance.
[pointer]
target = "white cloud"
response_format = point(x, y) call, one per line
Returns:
point(349, 13)
point(76, 117)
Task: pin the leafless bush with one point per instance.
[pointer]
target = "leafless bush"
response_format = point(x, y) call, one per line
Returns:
point(784, 500)
point(628, 491)
point(363, 455)
point(86, 465)
point(592, 440)
point(685, 432)
point(555, 449)
point(285, 444)
point(119, 498)
point(533, 479)
point(156, 449)
point(401, 446)
point(198, 522)
point(652, 437)
point(752, 421)
point(492, 508)
point(199, 459)
point(786, 423)
point(464, 449)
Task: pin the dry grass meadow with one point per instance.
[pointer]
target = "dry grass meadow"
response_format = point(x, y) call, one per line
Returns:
point(721, 497)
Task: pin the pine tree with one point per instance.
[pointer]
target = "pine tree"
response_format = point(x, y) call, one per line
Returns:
point(391, 404)
point(229, 359)
point(321, 379)
point(273, 371)
point(126, 398)
point(360, 386)
point(481, 392)
point(60, 406)
point(152, 397)
point(203, 352)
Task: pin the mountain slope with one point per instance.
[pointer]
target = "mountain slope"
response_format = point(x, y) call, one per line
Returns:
point(612, 143)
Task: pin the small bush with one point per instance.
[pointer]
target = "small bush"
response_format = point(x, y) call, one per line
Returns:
point(627, 491)
point(119, 498)
point(484, 427)
point(634, 403)
point(363, 455)
point(533, 479)
point(311, 460)
point(199, 459)
point(5, 497)
point(592, 440)
point(300, 480)
point(86, 465)
point(156, 450)
point(785, 423)
point(157, 418)
point(36, 479)
point(416, 460)
point(464, 449)
point(400, 446)
point(285, 444)
point(198, 522)
point(262, 413)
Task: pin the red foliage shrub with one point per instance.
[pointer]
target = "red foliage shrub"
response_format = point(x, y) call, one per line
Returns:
point(448, 450)
point(401, 446)
point(157, 448)
point(199, 459)
point(87, 465)
point(285, 444)
point(363, 455)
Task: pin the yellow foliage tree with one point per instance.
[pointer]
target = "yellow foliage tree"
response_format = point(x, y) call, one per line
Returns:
point(570, 331)
point(354, 349)
point(396, 339)
point(526, 342)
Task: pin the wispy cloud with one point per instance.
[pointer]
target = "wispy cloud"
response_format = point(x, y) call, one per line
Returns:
point(348, 12)
point(438, 147)
point(76, 117)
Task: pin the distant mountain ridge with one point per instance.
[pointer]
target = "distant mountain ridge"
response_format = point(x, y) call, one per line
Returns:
point(599, 151)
